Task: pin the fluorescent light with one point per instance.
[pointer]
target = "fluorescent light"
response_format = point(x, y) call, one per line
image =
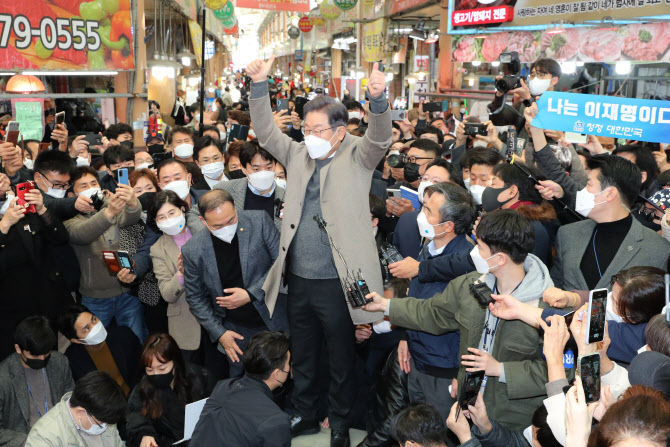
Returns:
point(568, 67)
point(471, 82)
point(70, 73)
point(186, 61)
point(11, 73)
point(579, 63)
point(389, 77)
point(622, 67)
point(411, 81)
point(476, 63)
point(418, 34)
point(495, 63)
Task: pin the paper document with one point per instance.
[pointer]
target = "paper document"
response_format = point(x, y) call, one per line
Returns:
point(412, 196)
point(191, 418)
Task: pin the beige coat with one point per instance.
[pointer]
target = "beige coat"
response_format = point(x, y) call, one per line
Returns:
point(182, 325)
point(345, 188)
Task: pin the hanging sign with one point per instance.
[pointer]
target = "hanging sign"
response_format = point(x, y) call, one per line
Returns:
point(275, 5)
point(316, 18)
point(196, 39)
point(373, 40)
point(29, 113)
point(226, 12)
point(229, 22)
point(305, 25)
point(345, 5)
point(604, 116)
point(293, 32)
point(329, 10)
point(215, 4)
point(209, 49)
point(298, 56)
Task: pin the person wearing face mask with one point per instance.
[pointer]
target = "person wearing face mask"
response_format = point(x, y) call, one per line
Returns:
point(116, 157)
point(90, 235)
point(180, 140)
point(208, 155)
point(94, 348)
point(84, 417)
point(515, 385)
point(224, 271)
point(156, 406)
point(155, 144)
point(280, 175)
point(32, 150)
point(241, 411)
point(118, 133)
point(481, 162)
point(332, 180)
point(258, 190)
point(32, 379)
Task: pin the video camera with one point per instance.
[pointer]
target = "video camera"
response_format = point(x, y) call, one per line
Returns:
point(511, 69)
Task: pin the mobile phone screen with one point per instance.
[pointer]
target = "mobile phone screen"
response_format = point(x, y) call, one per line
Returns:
point(589, 372)
point(471, 385)
point(596, 323)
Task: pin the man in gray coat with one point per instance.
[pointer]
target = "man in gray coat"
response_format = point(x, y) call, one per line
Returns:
point(224, 271)
point(329, 178)
point(32, 380)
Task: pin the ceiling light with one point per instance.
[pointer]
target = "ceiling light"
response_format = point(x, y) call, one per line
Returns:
point(389, 77)
point(495, 63)
point(7, 74)
point(471, 82)
point(71, 73)
point(24, 84)
point(580, 63)
point(433, 36)
point(417, 34)
point(186, 61)
point(622, 67)
point(295, 20)
point(476, 63)
point(557, 28)
point(568, 67)
point(411, 80)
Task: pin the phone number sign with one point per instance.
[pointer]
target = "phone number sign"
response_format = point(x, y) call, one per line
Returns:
point(605, 116)
point(66, 35)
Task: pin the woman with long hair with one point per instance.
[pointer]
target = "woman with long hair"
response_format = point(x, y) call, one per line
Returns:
point(156, 405)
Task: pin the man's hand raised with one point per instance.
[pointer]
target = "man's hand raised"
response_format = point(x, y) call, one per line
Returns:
point(376, 82)
point(259, 70)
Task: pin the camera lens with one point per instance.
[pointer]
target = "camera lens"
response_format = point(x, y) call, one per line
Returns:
point(396, 160)
point(502, 85)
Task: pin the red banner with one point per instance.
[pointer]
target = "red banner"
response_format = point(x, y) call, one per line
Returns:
point(483, 16)
point(66, 35)
point(275, 5)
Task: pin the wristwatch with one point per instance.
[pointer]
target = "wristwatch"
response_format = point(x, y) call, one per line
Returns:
point(528, 102)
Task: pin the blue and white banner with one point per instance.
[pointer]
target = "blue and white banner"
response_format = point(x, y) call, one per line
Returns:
point(605, 116)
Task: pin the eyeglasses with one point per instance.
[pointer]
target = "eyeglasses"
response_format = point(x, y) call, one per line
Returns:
point(413, 159)
point(55, 185)
point(533, 75)
point(316, 133)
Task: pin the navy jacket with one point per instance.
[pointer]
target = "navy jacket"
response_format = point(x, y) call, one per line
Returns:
point(406, 237)
point(433, 354)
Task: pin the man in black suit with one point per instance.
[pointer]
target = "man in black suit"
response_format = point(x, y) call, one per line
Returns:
point(208, 155)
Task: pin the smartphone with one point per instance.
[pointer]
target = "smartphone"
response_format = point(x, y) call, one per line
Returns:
point(123, 177)
point(125, 261)
point(394, 194)
point(576, 138)
point(471, 386)
point(45, 147)
point(282, 104)
point(568, 318)
point(160, 157)
point(300, 102)
point(112, 262)
point(238, 131)
point(21, 190)
point(474, 129)
point(93, 139)
point(398, 115)
point(432, 106)
point(60, 117)
point(595, 325)
point(588, 369)
point(667, 299)
point(12, 134)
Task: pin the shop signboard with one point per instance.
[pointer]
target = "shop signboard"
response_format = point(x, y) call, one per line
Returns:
point(543, 12)
point(604, 116)
point(373, 40)
point(196, 40)
point(298, 55)
point(305, 25)
point(483, 16)
point(190, 8)
point(29, 112)
point(640, 42)
point(293, 32)
point(421, 63)
point(345, 5)
point(226, 12)
point(65, 35)
point(275, 5)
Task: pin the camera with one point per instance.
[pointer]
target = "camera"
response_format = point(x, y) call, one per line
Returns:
point(511, 68)
point(472, 129)
point(481, 292)
point(98, 201)
point(278, 203)
point(389, 253)
point(397, 160)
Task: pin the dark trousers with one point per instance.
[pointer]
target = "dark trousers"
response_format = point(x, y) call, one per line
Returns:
point(317, 309)
point(236, 369)
point(208, 356)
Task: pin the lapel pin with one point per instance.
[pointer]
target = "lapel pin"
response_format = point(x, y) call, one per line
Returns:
point(630, 248)
point(26, 227)
point(242, 229)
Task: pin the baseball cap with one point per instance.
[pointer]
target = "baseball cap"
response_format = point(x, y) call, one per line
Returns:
point(651, 369)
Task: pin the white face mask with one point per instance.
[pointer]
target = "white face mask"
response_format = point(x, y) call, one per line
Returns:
point(425, 228)
point(463, 111)
point(142, 166)
point(180, 187)
point(479, 143)
point(528, 435)
point(281, 182)
point(172, 226)
point(610, 313)
point(213, 170)
point(355, 114)
point(184, 150)
point(480, 263)
point(82, 161)
point(143, 216)
point(586, 201)
point(538, 86)
point(476, 191)
point(29, 163)
point(197, 117)
point(56, 193)
point(262, 180)
point(90, 192)
point(97, 335)
point(226, 234)
point(95, 430)
point(422, 189)
point(466, 181)
point(318, 147)
point(223, 135)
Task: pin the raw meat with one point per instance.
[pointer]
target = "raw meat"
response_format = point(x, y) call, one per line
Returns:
point(601, 45)
point(523, 42)
point(562, 46)
point(494, 45)
point(467, 50)
point(647, 42)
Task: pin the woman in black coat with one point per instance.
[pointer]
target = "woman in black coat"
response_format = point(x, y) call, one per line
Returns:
point(156, 405)
point(30, 281)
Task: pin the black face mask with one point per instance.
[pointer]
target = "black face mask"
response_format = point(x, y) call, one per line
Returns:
point(411, 172)
point(147, 199)
point(128, 143)
point(156, 149)
point(115, 172)
point(36, 363)
point(235, 174)
point(490, 200)
point(161, 380)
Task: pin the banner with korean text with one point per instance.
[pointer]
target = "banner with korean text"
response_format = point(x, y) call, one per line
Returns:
point(373, 40)
point(66, 35)
point(605, 116)
point(275, 5)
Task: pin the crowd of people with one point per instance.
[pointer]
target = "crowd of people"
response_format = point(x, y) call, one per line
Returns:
point(291, 279)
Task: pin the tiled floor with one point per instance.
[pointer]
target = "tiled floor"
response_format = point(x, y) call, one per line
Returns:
point(322, 439)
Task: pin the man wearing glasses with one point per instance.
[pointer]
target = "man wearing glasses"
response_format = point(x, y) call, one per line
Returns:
point(329, 176)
